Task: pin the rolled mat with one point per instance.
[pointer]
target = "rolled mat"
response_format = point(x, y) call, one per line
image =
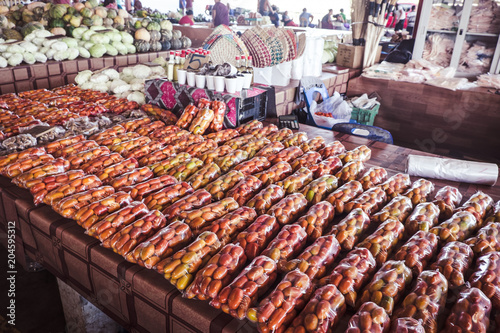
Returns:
point(451, 169)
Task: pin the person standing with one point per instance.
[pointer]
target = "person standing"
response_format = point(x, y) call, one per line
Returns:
point(189, 5)
point(220, 14)
point(399, 18)
point(182, 6)
point(326, 21)
point(306, 19)
point(265, 8)
point(344, 18)
point(412, 16)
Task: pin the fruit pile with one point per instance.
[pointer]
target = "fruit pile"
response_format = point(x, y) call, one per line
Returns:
point(246, 222)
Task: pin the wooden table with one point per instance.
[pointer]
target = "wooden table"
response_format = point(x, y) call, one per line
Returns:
point(139, 299)
point(463, 123)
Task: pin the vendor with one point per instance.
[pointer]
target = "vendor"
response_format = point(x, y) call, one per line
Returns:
point(326, 21)
point(187, 19)
point(274, 16)
point(306, 19)
point(287, 21)
point(220, 14)
point(399, 18)
point(338, 24)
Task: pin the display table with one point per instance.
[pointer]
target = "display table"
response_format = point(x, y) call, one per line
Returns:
point(462, 123)
point(53, 74)
point(139, 299)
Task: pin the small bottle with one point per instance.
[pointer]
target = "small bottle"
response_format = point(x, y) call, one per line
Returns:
point(243, 64)
point(183, 58)
point(249, 66)
point(237, 63)
point(177, 64)
point(170, 66)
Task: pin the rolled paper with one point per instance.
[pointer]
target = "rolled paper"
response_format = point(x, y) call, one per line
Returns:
point(452, 169)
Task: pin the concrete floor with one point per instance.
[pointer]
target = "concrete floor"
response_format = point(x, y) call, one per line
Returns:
point(38, 305)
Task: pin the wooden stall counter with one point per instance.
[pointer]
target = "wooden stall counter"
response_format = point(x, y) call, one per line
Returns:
point(53, 74)
point(462, 123)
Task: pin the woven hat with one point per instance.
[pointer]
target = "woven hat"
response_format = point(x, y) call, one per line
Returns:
point(292, 44)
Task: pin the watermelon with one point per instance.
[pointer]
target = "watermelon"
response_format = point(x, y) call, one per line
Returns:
point(57, 11)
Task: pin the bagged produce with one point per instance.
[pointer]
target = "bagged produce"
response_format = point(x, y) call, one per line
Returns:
point(198, 219)
point(263, 200)
point(314, 144)
point(180, 269)
point(271, 149)
point(316, 219)
point(296, 181)
point(372, 177)
point(453, 261)
point(168, 195)
point(471, 313)
point(198, 199)
point(307, 160)
point(329, 166)
point(107, 174)
point(446, 199)
point(161, 245)
point(370, 201)
point(244, 291)
point(204, 175)
point(244, 189)
point(316, 259)
point(332, 149)
point(486, 240)
point(396, 184)
point(256, 237)
point(457, 228)
point(424, 217)
point(398, 208)
point(369, 318)
point(287, 244)
point(418, 251)
point(344, 194)
point(361, 153)
point(230, 224)
point(322, 313)
point(288, 209)
point(382, 242)
point(486, 277)
point(220, 137)
point(130, 236)
point(350, 171)
point(218, 273)
point(387, 285)
point(274, 174)
point(41, 186)
point(280, 136)
point(278, 309)
point(419, 191)
point(348, 230)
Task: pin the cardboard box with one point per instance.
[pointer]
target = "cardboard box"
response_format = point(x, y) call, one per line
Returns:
point(351, 56)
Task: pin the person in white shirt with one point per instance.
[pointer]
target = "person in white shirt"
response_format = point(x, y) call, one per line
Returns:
point(399, 18)
point(412, 16)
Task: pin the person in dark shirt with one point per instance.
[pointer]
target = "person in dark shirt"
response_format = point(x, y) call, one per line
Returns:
point(220, 14)
point(265, 8)
point(326, 21)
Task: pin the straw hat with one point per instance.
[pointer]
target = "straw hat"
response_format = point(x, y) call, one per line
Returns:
point(255, 41)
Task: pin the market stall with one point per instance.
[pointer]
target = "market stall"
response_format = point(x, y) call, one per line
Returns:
point(138, 298)
point(160, 189)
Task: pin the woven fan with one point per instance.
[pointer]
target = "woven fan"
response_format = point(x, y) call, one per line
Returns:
point(292, 44)
point(301, 45)
point(258, 48)
point(224, 46)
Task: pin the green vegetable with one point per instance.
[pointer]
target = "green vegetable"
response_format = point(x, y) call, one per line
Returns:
point(111, 50)
point(57, 11)
point(98, 50)
point(84, 53)
point(71, 42)
point(78, 32)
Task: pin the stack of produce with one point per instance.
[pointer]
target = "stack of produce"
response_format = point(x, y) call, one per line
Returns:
point(129, 83)
point(256, 239)
point(96, 31)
